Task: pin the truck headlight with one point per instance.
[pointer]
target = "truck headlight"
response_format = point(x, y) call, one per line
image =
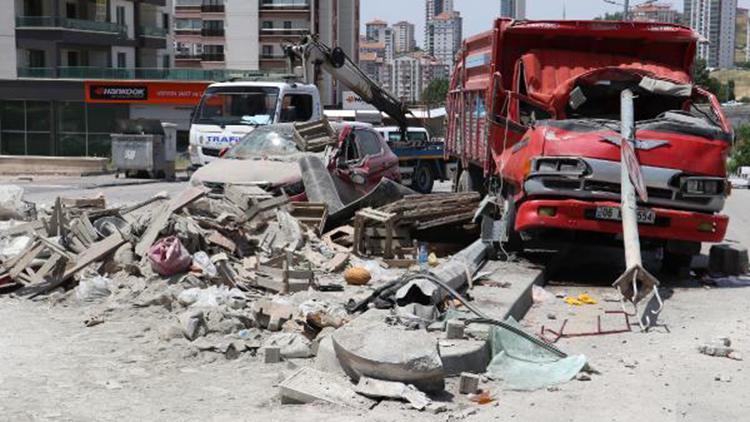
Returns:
point(703, 186)
point(562, 166)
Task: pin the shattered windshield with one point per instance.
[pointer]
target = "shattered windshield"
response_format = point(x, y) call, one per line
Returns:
point(237, 106)
point(264, 142)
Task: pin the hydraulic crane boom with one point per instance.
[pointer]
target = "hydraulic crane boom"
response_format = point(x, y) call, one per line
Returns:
point(311, 52)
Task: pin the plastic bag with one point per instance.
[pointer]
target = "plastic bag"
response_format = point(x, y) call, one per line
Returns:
point(93, 289)
point(202, 261)
point(211, 297)
point(169, 257)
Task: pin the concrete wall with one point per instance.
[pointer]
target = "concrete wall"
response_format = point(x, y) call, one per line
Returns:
point(8, 42)
point(129, 54)
point(128, 14)
point(74, 166)
point(241, 50)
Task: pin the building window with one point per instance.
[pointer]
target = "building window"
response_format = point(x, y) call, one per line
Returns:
point(166, 62)
point(122, 60)
point(73, 59)
point(120, 15)
point(267, 51)
point(287, 24)
point(165, 21)
point(71, 11)
point(267, 25)
point(36, 58)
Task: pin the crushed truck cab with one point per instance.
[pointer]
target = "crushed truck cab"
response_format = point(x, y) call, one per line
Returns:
point(533, 115)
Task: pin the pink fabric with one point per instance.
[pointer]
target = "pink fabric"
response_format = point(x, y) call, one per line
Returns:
point(169, 257)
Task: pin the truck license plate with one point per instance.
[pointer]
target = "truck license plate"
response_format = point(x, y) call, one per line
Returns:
point(644, 215)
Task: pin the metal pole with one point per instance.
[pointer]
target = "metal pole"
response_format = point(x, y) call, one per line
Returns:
point(626, 15)
point(629, 206)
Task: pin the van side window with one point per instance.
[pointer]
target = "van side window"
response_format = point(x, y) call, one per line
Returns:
point(296, 108)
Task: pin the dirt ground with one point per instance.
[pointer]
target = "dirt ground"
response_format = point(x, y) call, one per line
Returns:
point(54, 368)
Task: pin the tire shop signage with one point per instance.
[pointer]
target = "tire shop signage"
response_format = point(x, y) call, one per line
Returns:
point(183, 93)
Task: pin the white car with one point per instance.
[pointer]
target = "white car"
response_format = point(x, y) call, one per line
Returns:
point(739, 183)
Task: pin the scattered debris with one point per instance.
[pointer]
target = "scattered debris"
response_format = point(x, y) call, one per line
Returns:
point(375, 389)
point(454, 329)
point(468, 383)
point(720, 347)
point(272, 354)
point(308, 385)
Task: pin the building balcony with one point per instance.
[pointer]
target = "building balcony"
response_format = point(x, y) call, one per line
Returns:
point(281, 32)
point(212, 57)
point(152, 31)
point(212, 8)
point(273, 57)
point(212, 32)
point(284, 5)
point(188, 56)
point(55, 22)
point(136, 73)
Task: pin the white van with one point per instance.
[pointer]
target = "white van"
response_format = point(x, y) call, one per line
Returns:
point(230, 110)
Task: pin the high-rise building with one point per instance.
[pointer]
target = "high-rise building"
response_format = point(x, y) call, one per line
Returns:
point(715, 20)
point(403, 35)
point(515, 9)
point(742, 36)
point(655, 12)
point(248, 35)
point(446, 33)
point(434, 8)
point(412, 73)
point(374, 28)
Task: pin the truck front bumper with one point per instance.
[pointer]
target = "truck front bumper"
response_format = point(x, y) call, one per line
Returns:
point(577, 215)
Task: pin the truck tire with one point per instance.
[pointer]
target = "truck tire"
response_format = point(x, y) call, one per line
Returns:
point(513, 241)
point(465, 182)
point(422, 180)
point(676, 263)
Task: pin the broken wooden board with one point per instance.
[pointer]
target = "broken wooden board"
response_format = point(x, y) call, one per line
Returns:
point(314, 136)
point(161, 215)
point(218, 239)
point(96, 252)
point(310, 214)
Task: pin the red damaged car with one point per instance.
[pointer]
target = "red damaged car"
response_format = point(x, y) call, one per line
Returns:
point(534, 117)
point(268, 157)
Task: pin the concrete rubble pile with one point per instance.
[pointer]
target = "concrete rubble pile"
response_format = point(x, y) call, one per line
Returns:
point(243, 274)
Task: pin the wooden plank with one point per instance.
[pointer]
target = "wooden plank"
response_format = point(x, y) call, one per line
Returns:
point(161, 217)
point(222, 241)
point(26, 228)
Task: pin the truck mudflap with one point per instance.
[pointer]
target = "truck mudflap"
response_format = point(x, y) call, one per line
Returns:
point(571, 214)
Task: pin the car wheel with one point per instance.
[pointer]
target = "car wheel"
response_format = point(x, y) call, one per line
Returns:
point(422, 180)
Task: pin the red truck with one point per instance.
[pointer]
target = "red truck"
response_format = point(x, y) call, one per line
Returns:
point(534, 118)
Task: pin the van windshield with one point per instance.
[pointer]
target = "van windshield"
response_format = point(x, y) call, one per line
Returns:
point(237, 106)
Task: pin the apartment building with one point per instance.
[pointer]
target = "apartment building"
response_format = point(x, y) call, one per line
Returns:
point(446, 32)
point(655, 12)
point(515, 9)
point(62, 79)
point(403, 35)
point(413, 72)
point(715, 20)
point(742, 36)
point(433, 8)
point(248, 35)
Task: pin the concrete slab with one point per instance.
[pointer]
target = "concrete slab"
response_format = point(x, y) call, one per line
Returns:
point(308, 385)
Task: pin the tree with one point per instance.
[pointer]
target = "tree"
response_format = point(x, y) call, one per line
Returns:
point(701, 75)
point(436, 92)
point(617, 16)
point(741, 154)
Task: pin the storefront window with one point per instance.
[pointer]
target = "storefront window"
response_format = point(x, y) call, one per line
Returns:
point(71, 117)
point(12, 115)
point(71, 145)
point(100, 145)
point(102, 118)
point(12, 144)
point(38, 116)
point(38, 143)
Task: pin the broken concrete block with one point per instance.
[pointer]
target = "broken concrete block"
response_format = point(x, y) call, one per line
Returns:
point(390, 353)
point(272, 315)
point(728, 259)
point(376, 389)
point(454, 329)
point(325, 358)
point(308, 385)
point(193, 325)
point(292, 345)
point(468, 383)
point(464, 355)
point(272, 354)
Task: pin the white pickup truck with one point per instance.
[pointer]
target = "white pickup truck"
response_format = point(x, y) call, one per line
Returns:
point(230, 110)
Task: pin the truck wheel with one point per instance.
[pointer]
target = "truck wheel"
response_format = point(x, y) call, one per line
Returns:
point(512, 241)
point(465, 182)
point(422, 180)
point(676, 263)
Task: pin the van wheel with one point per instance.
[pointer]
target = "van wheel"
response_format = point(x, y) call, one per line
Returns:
point(422, 180)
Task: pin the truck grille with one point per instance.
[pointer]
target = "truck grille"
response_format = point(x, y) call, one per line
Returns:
point(594, 185)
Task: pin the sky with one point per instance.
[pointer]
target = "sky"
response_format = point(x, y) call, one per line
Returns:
point(478, 14)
